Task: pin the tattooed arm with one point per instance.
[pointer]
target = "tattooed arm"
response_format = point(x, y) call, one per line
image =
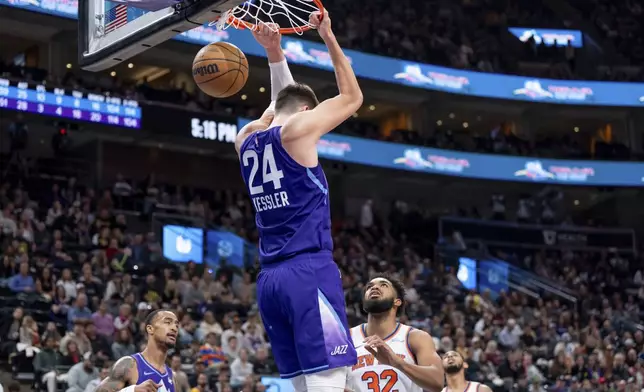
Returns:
point(123, 374)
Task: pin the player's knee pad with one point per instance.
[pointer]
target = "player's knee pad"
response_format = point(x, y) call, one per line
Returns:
point(332, 380)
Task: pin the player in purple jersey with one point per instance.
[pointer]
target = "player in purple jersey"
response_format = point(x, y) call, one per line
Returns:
point(299, 289)
point(147, 371)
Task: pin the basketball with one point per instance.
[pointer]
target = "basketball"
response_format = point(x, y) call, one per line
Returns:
point(220, 69)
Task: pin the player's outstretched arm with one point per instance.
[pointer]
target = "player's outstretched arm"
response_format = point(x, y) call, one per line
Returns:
point(332, 112)
point(269, 37)
point(124, 373)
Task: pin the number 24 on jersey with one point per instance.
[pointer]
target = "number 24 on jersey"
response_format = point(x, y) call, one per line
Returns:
point(270, 172)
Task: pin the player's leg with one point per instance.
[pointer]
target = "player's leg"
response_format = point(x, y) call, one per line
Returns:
point(322, 339)
point(273, 309)
point(330, 380)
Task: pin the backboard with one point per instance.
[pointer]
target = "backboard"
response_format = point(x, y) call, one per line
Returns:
point(113, 31)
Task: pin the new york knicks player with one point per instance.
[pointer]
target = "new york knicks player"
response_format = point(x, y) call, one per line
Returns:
point(147, 371)
point(392, 356)
point(299, 288)
point(455, 366)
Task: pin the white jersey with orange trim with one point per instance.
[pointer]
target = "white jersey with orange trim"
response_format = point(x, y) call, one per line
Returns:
point(472, 386)
point(367, 375)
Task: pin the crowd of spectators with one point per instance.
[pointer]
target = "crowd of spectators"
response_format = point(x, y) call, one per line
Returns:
point(473, 34)
point(466, 34)
point(78, 282)
point(619, 22)
point(498, 139)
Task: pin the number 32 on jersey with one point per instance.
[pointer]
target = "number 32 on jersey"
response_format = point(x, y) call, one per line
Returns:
point(388, 377)
point(270, 174)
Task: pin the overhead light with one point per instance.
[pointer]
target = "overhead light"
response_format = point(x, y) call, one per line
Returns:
point(262, 89)
point(576, 202)
point(452, 115)
point(113, 73)
point(244, 97)
point(130, 65)
point(355, 115)
point(439, 122)
point(465, 125)
point(576, 129)
point(372, 108)
point(69, 65)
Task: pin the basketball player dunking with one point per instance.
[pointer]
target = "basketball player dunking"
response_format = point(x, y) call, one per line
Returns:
point(147, 371)
point(455, 366)
point(299, 287)
point(392, 356)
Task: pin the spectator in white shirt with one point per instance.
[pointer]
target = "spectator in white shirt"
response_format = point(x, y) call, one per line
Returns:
point(482, 324)
point(92, 385)
point(240, 369)
point(53, 213)
point(253, 319)
point(510, 334)
point(234, 331)
point(68, 283)
point(253, 339)
point(366, 214)
point(232, 347)
point(121, 187)
point(208, 325)
point(81, 375)
point(7, 222)
point(638, 279)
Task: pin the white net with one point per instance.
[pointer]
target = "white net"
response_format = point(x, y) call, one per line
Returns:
point(292, 16)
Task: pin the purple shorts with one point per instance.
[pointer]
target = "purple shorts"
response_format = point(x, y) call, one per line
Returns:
point(301, 302)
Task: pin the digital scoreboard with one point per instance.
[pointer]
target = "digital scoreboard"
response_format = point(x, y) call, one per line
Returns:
point(70, 104)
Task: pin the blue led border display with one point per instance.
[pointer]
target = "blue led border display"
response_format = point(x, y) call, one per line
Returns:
point(481, 166)
point(73, 105)
point(407, 73)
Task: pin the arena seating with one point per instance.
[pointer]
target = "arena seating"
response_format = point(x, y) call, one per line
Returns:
point(467, 35)
point(90, 275)
point(621, 23)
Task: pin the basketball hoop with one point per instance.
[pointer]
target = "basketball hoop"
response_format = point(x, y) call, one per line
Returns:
point(292, 13)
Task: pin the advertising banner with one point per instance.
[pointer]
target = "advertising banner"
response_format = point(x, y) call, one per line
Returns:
point(183, 244)
point(549, 37)
point(467, 272)
point(224, 245)
point(493, 275)
point(481, 166)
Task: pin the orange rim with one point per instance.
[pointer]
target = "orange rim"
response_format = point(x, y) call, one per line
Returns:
point(241, 25)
